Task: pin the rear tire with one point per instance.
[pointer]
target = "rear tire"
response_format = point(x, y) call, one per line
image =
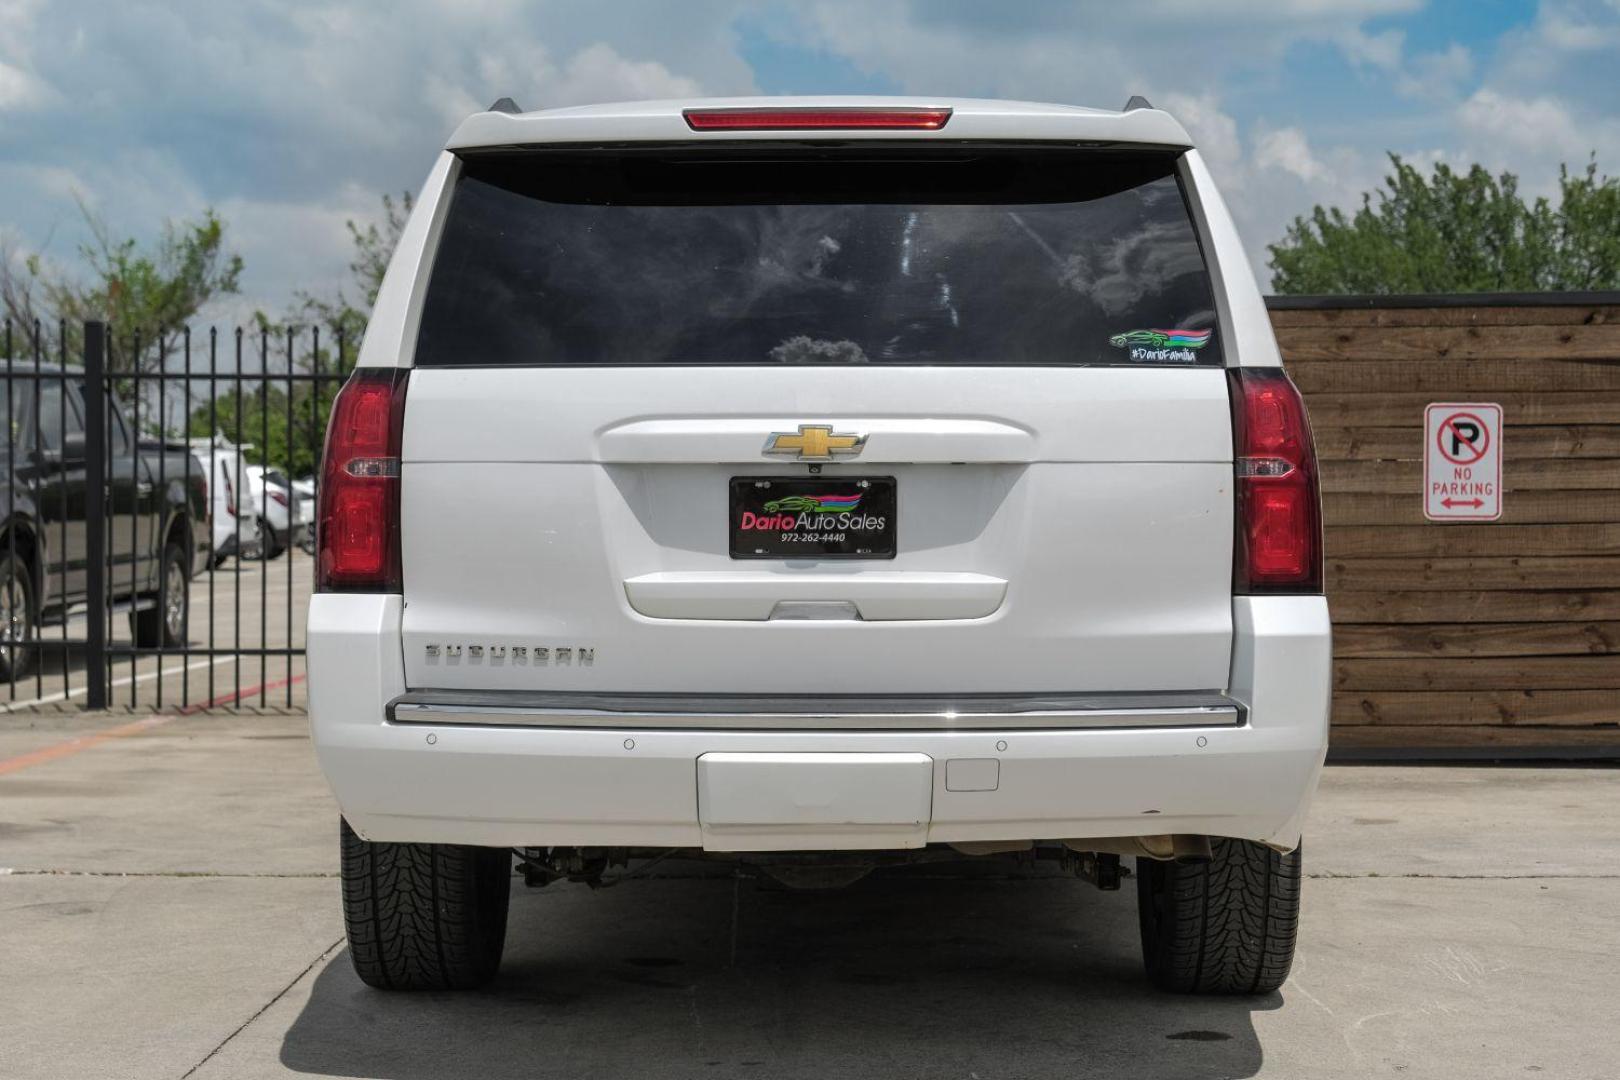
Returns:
point(424, 916)
point(249, 537)
point(1227, 926)
point(164, 626)
point(19, 618)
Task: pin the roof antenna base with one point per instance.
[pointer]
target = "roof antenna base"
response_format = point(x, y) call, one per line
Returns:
point(507, 105)
point(1137, 102)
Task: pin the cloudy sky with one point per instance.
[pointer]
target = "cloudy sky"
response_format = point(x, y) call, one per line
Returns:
point(292, 117)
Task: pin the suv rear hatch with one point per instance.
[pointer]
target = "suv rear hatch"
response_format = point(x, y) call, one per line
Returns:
point(808, 419)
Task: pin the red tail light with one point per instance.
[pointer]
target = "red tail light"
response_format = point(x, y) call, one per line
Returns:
point(359, 494)
point(1279, 503)
point(794, 119)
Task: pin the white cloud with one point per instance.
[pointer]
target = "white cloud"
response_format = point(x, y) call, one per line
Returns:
point(50, 180)
point(1381, 50)
point(1541, 125)
point(17, 24)
point(19, 89)
point(526, 73)
point(20, 86)
point(1214, 132)
point(1579, 27)
point(1283, 11)
point(1286, 149)
point(598, 73)
point(302, 242)
point(1437, 74)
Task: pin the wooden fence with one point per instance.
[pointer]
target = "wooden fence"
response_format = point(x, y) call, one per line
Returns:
point(1475, 637)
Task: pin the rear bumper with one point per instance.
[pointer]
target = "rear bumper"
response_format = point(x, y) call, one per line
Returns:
point(226, 548)
point(454, 769)
point(286, 537)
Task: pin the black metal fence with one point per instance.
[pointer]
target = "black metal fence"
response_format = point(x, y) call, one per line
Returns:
point(156, 549)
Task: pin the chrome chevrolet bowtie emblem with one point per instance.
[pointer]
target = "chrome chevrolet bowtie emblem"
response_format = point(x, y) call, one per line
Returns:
point(814, 442)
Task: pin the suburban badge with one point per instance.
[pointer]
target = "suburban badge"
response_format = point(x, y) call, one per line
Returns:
point(529, 655)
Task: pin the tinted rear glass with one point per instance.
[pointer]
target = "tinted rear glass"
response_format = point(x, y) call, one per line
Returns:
point(940, 257)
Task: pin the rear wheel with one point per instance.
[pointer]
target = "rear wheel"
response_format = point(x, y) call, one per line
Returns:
point(164, 626)
point(249, 538)
point(1227, 926)
point(18, 618)
point(424, 916)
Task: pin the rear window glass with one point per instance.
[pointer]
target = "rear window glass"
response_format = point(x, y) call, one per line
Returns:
point(945, 257)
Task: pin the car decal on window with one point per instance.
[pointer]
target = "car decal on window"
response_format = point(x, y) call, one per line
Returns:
point(1176, 346)
point(1162, 339)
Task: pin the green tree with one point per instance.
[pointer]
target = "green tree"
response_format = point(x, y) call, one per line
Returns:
point(145, 291)
point(1457, 232)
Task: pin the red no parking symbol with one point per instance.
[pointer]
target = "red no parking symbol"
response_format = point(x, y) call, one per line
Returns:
point(1463, 438)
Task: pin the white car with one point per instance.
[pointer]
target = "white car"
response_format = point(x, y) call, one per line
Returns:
point(769, 478)
point(237, 521)
point(287, 516)
point(305, 489)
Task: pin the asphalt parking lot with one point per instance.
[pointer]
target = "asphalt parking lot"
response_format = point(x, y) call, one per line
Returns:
point(168, 908)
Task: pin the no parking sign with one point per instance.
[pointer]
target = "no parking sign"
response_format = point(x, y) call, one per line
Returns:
point(1462, 462)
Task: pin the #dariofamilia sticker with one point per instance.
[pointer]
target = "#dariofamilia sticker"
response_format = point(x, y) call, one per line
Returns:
point(1160, 346)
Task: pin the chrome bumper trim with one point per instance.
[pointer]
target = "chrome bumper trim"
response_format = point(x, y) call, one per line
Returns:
point(747, 712)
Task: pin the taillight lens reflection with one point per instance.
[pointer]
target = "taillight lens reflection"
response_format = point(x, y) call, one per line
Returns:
point(1279, 518)
point(359, 493)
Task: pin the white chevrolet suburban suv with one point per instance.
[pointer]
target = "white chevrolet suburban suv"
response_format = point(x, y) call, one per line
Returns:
point(813, 483)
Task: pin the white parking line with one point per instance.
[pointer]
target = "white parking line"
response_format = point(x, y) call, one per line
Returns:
point(16, 706)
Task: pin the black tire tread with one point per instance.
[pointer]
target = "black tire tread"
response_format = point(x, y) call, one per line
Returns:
point(1228, 926)
point(424, 916)
point(18, 663)
point(147, 625)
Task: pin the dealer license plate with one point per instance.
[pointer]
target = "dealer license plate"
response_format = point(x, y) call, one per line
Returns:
point(812, 517)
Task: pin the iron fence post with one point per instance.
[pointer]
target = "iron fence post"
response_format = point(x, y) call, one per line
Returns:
point(95, 540)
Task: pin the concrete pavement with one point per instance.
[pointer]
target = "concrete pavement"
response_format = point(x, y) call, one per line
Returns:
point(172, 911)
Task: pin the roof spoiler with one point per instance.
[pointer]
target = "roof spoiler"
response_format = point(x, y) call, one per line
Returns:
point(1137, 102)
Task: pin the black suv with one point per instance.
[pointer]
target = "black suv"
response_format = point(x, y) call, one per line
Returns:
point(156, 522)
